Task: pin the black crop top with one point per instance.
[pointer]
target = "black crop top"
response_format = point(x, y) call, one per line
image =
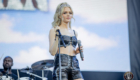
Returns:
point(68, 40)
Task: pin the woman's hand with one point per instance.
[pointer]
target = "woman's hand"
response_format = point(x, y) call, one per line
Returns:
point(56, 33)
point(77, 50)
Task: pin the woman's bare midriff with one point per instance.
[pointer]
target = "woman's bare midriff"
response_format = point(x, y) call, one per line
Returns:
point(69, 50)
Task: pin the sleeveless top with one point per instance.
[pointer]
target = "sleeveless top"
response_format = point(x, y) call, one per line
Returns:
point(68, 40)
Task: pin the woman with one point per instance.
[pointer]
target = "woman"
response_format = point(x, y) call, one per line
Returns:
point(69, 62)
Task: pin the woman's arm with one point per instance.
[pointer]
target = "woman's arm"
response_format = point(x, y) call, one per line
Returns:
point(81, 47)
point(53, 43)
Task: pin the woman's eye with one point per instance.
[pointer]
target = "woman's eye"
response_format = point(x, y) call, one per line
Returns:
point(64, 13)
point(70, 12)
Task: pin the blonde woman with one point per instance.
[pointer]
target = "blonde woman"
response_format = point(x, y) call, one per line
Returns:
point(69, 62)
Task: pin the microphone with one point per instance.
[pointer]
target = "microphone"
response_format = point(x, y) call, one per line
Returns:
point(60, 36)
point(81, 53)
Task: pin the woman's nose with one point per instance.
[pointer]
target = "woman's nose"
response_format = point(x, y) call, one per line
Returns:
point(68, 14)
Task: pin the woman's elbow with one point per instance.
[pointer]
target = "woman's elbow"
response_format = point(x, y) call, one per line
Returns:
point(52, 53)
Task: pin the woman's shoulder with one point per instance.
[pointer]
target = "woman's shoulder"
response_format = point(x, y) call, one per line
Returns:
point(52, 30)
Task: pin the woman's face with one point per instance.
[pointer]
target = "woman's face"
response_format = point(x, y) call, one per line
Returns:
point(66, 15)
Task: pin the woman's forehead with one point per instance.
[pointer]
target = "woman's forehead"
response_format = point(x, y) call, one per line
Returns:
point(67, 9)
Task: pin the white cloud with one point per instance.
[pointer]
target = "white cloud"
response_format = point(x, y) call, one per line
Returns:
point(90, 39)
point(7, 35)
point(32, 55)
point(96, 11)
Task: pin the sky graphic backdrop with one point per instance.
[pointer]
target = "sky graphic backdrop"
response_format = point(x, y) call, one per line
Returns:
point(101, 26)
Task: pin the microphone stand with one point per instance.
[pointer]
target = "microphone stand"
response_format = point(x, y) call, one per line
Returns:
point(60, 38)
point(8, 76)
point(59, 59)
point(7, 73)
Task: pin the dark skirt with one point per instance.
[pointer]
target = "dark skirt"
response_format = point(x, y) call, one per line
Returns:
point(69, 68)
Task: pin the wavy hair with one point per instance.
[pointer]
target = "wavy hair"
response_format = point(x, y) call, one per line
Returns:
point(58, 13)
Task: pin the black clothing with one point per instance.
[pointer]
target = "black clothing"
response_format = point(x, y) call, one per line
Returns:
point(11, 75)
point(70, 67)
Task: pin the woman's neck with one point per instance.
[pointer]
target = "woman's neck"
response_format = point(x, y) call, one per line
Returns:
point(64, 25)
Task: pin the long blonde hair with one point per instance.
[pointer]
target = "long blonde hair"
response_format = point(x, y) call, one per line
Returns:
point(58, 13)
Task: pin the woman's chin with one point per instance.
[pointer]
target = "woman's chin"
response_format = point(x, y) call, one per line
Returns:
point(67, 21)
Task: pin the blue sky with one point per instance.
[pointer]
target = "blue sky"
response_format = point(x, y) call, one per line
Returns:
point(24, 36)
